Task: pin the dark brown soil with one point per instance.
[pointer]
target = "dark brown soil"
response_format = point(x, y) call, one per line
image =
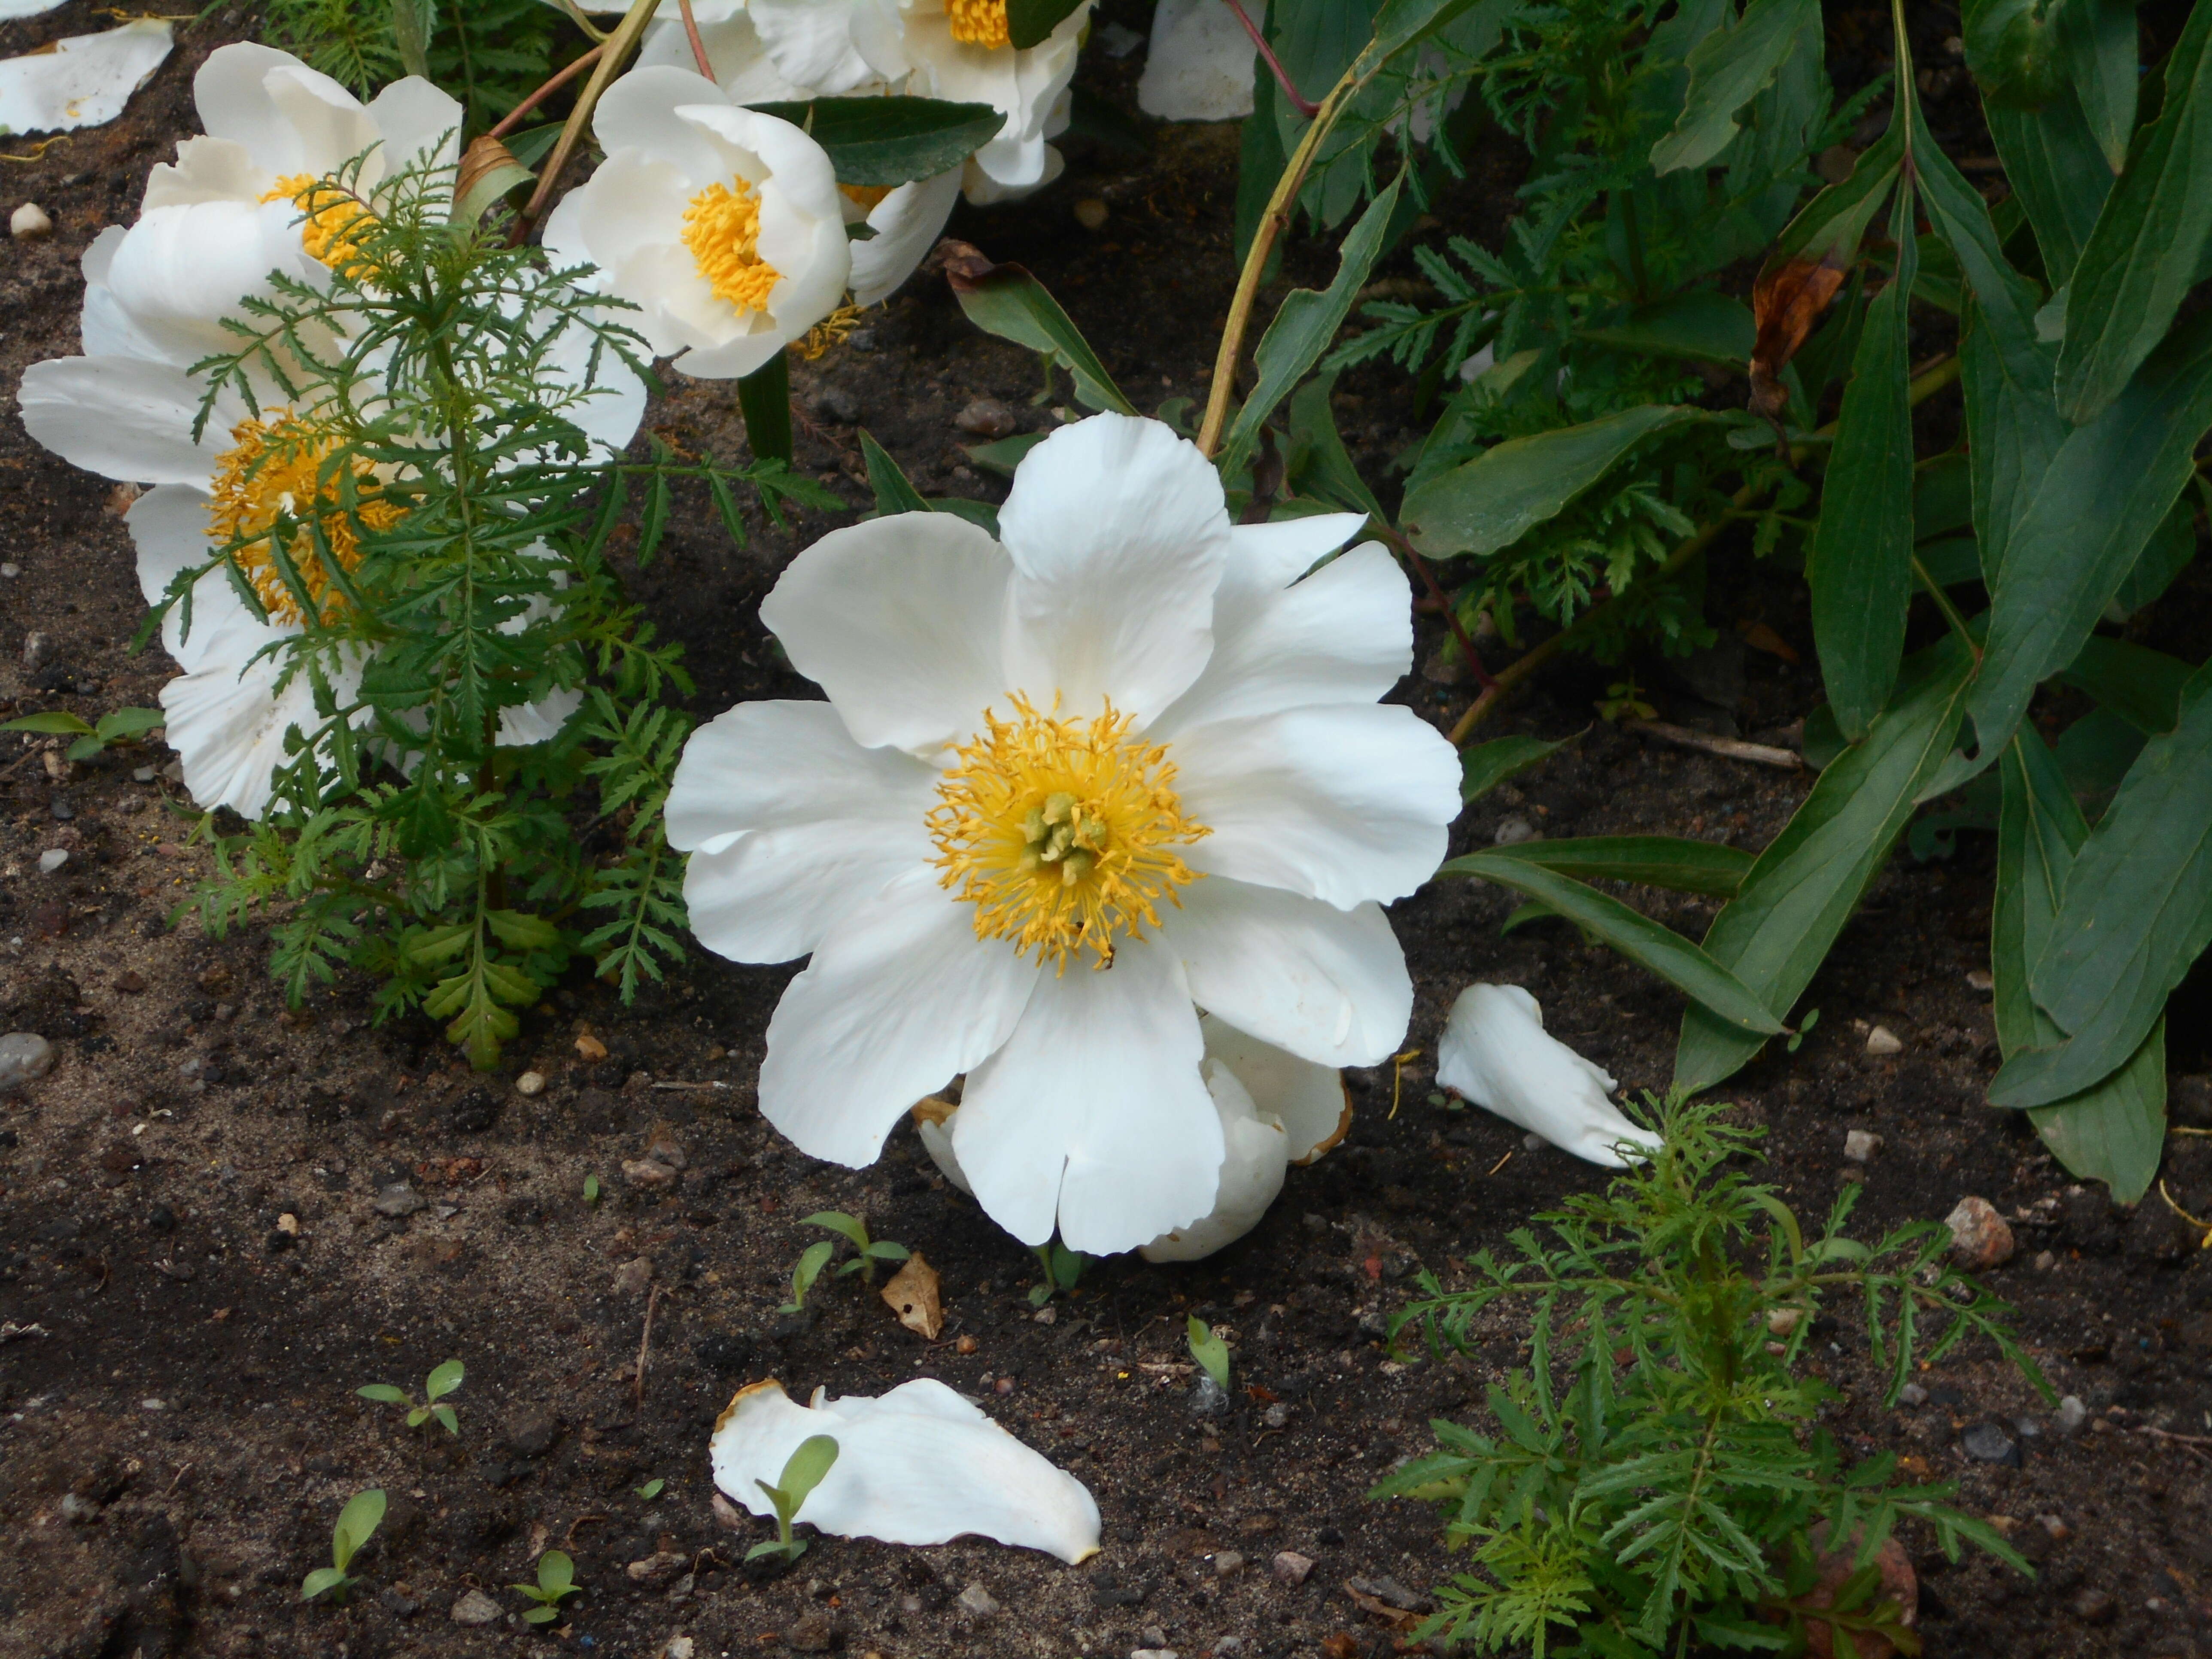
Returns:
point(178, 1421)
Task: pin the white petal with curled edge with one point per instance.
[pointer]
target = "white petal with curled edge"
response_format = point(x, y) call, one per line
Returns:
point(85, 81)
point(169, 526)
point(1310, 1101)
point(227, 721)
point(787, 765)
point(832, 47)
point(639, 112)
point(907, 223)
point(742, 66)
point(249, 94)
point(121, 418)
point(898, 619)
point(1255, 1154)
point(419, 122)
point(919, 1465)
point(11, 9)
point(1497, 1053)
point(1118, 534)
point(1200, 64)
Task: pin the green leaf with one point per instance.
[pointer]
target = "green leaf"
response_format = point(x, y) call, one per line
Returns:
point(321, 1579)
point(1727, 68)
point(1003, 455)
point(838, 1222)
point(2097, 505)
point(2144, 687)
point(383, 1393)
point(2098, 39)
point(803, 1472)
point(1030, 21)
point(1492, 501)
point(764, 399)
point(2137, 911)
point(121, 723)
point(1775, 933)
point(891, 141)
point(520, 931)
point(485, 190)
point(2013, 47)
point(1680, 865)
point(447, 1419)
point(893, 492)
point(55, 722)
point(540, 1615)
point(1304, 326)
point(1860, 563)
point(1008, 302)
point(651, 1489)
point(1700, 324)
point(1207, 1348)
point(444, 1380)
point(1315, 463)
point(2114, 1131)
point(362, 1515)
point(773, 1546)
point(1658, 949)
point(591, 1189)
point(2052, 162)
point(885, 1250)
point(1486, 765)
point(2150, 240)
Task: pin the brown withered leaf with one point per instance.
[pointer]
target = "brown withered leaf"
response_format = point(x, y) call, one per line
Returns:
point(1785, 302)
point(912, 1295)
point(964, 264)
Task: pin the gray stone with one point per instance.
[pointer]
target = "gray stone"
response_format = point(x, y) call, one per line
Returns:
point(36, 648)
point(1980, 1239)
point(633, 1276)
point(986, 417)
point(811, 1632)
point(1207, 1397)
point(25, 1057)
point(1883, 1040)
point(1513, 831)
point(78, 1510)
point(398, 1200)
point(1860, 1146)
point(1153, 1653)
point(1226, 1562)
point(840, 404)
point(1912, 1394)
point(1986, 1443)
point(1276, 1416)
point(532, 1431)
point(1291, 1568)
point(2071, 1415)
point(976, 1601)
point(52, 859)
point(2095, 1606)
point(1153, 1636)
point(475, 1608)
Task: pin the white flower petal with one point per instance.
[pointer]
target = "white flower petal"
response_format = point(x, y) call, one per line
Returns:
point(1310, 1101)
point(168, 525)
point(832, 47)
point(106, 328)
point(907, 223)
point(981, 190)
point(540, 722)
point(1200, 64)
point(330, 125)
point(1252, 1168)
point(232, 93)
point(898, 620)
point(207, 170)
point(802, 219)
point(419, 124)
point(1327, 984)
point(1344, 635)
point(1026, 86)
point(227, 721)
point(639, 112)
point(182, 270)
point(121, 418)
point(1342, 802)
point(83, 80)
point(1094, 1113)
point(742, 67)
point(1267, 557)
point(1496, 1052)
point(918, 1465)
point(11, 9)
point(735, 358)
point(1118, 534)
point(900, 998)
point(788, 765)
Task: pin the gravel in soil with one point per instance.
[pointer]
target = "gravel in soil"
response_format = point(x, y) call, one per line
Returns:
point(219, 1218)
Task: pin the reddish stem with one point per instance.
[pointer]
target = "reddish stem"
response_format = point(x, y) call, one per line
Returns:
point(698, 46)
point(507, 124)
point(1304, 104)
point(1483, 676)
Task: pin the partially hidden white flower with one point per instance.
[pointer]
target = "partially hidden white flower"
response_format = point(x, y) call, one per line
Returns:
point(919, 1465)
point(1200, 63)
point(83, 80)
point(834, 48)
point(723, 225)
point(1496, 1052)
point(906, 220)
point(962, 51)
point(738, 58)
point(1069, 786)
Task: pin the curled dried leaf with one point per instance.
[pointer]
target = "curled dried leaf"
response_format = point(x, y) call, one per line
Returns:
point(913, 1295)
point(1786, 302)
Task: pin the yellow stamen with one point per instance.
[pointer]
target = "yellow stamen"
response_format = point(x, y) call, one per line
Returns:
point(829, 331)
point(276, 470)
point(334, 214)
point(978, 22)
point(722, 230)
point(1060, 832)
point(866, 197)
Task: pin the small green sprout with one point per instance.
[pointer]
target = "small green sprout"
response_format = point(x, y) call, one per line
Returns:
point(812, 1261)
point(362, 1515)
point(1062, 1268)
point(118, 725)
point(870, 1251)
point(1622, 701)
point(1804, 1027)
point(653, 1489)
point(592, 1189)
point(1210, 1351)
point(801, 1475)
point(556, 1581)
point(436, 1387)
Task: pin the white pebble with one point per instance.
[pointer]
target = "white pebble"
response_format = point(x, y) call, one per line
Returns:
point(11, 570)
point(52, 859)
point(28, 220)
point(530, 1082)
point(1883, 1040)
point(1860, 1146)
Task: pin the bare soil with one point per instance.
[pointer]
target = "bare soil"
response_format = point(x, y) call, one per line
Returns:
point(194, 1278)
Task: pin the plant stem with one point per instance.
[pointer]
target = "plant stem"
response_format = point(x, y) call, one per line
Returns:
point(617, 47)
point(698, 46)
point(1950, 610)
point(1299, 100)
point(764, 396)
point(508, 122)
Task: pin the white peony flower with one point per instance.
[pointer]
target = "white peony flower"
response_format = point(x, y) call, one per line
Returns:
point(835, 48)
point(722, 224)
point(961, 52)
point(1496, 1052)
point(739, 59)
point(919, 1465)
point(1068, 786)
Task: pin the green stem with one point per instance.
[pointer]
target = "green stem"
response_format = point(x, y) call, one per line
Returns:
point(1950, 610)
point(764, 396)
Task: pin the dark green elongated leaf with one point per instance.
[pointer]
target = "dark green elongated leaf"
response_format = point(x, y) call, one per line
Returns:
point(764, 397)
point(1400, 23)
point(1029, 21)
point(2144, 687)
point(1700, 324)
point(982, 514)
point(2097, 503)
point(1492, 501)
point(2137, 911)
point(1774, 934)
point(2056, 169)
point(1304, 326)
point(1659, 950)
point(1315, 462)
point(1003, 455)
point(2013, 48)
point(1668, 861)
point(1486, 765)
point(1008, 302)
point(1727, 68)
point(2098, 54)
point(891, 141)
point(895, 492)
point(1942, 497)
point(2115, 1131)
point(1860, 563)
point(2149, 239)
point(2171, 547)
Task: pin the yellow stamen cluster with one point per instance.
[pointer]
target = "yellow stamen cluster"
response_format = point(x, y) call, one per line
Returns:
point(276, 470)
point(1062, 832)
point(335, 217)
point(978, 22)
point(722, 229)
point(829, 331)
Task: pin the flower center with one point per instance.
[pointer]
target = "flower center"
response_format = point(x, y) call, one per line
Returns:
point(1062, 832)
point(722, 230)
point(334, 214)
point(275, 471)
point(978, 22)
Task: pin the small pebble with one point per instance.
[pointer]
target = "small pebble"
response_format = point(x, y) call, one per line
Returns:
point(1090, 213)
point(1861, 1145)
point(30, 221)
point(965, 1345)
point(2045, 1262)
point(1291, 1568)
point(530, 1082)
point(2071, 1415)
point(1883, 1040)
point(1153, 1653)
point(1047, 1316)
point(2095, 1608)
point(1980, 1237)
point(1912, 1394)
point(2059, 1532)
point(52, 859)
point(1985, 1443)
point(1207, 1397)
point(1513, 831)
point(1977, 979)
point(976, 1601)
point(475, 1608)
point(1276, 1416)
point(1532, 1142)
point(633, 1276)
point(25, 1057)
point(986, 417)
point(1226, 1562)
point(398, 1200)
point(36, 648)
point(11, 570)
point(1005, 1385)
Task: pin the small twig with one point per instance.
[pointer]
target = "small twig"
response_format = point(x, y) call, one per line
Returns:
point(698, 46)
point(1500, 1164)
point(1682, 736)
point(569, 1538)
point(1483, 676)
point(1299, 101)
point(514, 115)
point(644, 1344)
point(672, 1084)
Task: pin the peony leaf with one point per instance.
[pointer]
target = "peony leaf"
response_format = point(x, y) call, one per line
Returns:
point(891, 141)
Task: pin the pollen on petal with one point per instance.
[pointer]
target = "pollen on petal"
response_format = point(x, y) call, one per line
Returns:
point(334, 217)
point(277, 478)
point(722, 229)
point(978, 22)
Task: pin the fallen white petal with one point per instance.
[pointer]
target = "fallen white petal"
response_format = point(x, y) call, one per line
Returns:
point(919, 1465)
point(1200, 64)
point(11, 9)
point(1496, 1052)
point(84, 80)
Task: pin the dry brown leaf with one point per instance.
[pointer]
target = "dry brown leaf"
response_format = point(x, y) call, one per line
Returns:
point(1760, 637)
point(912, 1295)
point(1786, 302)
point(591, 1047)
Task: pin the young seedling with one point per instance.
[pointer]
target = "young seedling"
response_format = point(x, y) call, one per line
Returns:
point(556, 1581)
point(1062, 1268)
point(436, 1387)
point(651, 1489)
point(592, 1190)
point(363, 1513)
point(812, 1261)
point(118, 725)
point(870, 1251)
point(1211, 1352)
point(801, 1475)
